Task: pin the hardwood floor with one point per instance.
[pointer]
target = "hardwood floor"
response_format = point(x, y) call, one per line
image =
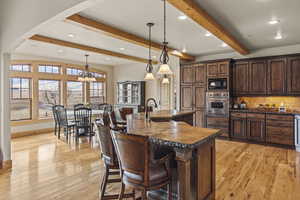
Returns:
point(46, 168)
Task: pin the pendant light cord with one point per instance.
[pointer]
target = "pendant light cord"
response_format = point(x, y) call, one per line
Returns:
point(165, 21)
point(164, 57)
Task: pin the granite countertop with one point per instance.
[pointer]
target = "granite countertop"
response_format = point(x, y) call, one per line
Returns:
point(266, 111)
point(169, 114)
point(175, 134)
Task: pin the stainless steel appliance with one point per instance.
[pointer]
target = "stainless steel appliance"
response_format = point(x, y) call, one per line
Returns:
point(217, 84)
point(217, 103)
point(297, 132)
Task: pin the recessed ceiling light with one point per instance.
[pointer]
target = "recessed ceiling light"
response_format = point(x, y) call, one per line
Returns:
point(122, 48)
point(60, 51)
point(278, 36)
point(107, 58)
point(183, 50)
point(182, 17)
point(71, 35)
point(274, 21)
point(224, 44)
point(208, 34)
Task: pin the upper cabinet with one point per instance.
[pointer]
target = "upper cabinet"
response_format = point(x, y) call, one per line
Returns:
point(200, 74)
point(293, 75)
point(277, 76)
point(187, 74)
point(218, 69)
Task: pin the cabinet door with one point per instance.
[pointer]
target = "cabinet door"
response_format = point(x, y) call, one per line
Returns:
point(223, 68)
point(200, 118)
point(238, 128)
point(293, 75)
point(199, 94)
point(256, 129)
point(186, 97)
point(277, 76)
point(212, 69)
point(240, 78)
point(258, 77)
point(187, 74)
point(200, 74)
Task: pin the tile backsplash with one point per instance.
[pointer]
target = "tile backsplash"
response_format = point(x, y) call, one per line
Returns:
point(253, 102)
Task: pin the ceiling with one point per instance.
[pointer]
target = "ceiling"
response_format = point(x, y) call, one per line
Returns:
point(247, 20)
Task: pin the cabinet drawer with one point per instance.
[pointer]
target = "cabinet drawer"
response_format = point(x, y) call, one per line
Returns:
point(236, 114)
point(280, 135)
point(217, 121)
point(280, 117)
point(280, 123)
point(256, 116)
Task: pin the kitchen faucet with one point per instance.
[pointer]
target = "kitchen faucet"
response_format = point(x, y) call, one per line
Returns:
point(147, 107)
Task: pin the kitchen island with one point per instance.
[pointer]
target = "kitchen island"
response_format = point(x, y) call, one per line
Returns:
point(194, 173)
point(168, 115)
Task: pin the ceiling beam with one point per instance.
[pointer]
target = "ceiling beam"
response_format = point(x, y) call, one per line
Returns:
point(87, 48)
point(199, 15)
point(122, 35)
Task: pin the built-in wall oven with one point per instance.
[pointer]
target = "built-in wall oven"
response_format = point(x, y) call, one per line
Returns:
point(217, 103)
point(217, 84)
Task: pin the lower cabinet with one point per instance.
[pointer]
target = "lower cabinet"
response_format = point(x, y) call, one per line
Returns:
point(199, 119)
point(238, 128)
point(256, 127)
point(218, 123)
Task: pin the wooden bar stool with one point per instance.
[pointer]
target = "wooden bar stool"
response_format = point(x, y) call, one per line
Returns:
point(109, 158)
point(138, 169)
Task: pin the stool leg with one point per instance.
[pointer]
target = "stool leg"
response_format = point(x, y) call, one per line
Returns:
point(144, 194)
point(104, 183)
point(133, 193)
point(122, 191)
point(170, 191)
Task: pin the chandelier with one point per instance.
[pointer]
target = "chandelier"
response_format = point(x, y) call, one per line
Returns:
point(164, 57)
point(149, 68)
point(86, 76)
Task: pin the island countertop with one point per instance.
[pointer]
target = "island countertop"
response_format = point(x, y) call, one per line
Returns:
point(173, 133)
point(169, 113)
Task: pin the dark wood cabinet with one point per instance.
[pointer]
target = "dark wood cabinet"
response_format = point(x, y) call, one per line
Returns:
point(240, 83)
point(200, 118)
point(218, 69)
point(223, 68)
point(221, 123)
point(257, 77)
point(199, 95)
point(200, 74)
point(293, 75)
point(187, 74)
point(256, 127)
point(238, 125)
point(276, 76)
point(212, 69)
point(187, 95)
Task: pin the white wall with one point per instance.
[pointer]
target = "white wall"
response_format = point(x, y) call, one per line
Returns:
point(136, 72)
point(291, 49)
point(110, 87)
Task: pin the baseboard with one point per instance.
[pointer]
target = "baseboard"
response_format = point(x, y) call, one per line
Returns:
point(5, 166)
point(32, 132)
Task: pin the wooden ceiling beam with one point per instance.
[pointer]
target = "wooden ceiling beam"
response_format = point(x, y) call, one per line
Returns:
point(122, 35)
point(49, 40)
point(199, 15)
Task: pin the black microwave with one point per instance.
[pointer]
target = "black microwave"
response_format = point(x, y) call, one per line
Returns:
point(217, 84)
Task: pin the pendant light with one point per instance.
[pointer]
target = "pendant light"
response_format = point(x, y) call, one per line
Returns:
point(165, 80)
point(164, 57)
point(149, 68)
point(86, 76)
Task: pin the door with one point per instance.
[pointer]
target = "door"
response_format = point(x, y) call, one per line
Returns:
point(212, 69)
point(256, 129)
point(200, 118)
point(186, 97)
point(293, 75)
point(187, 74)
point(277, 76)
point(223, 68)
point(200, 74)
point(238, 128)
point(258, 77)
point(240, 78)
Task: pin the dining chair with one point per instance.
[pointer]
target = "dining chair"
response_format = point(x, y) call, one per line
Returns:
point(139, 169)
point(80, 105)
point(110, 160)
point(55, 108)
point(114, 124)
point(64, 122)
point(125, 111)
point(83, 121)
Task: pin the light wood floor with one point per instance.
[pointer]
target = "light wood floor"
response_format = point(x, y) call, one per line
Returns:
point(46, 168)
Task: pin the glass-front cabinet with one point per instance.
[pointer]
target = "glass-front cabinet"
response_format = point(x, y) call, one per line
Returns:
point(131, 94)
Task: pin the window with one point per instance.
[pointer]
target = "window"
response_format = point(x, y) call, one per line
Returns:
point(98, 75)
point(97, 92)
point(20, 68)
point(74, 93)
point(49, 69)
point(49, 95)
point(20, 95)
point(73, 71)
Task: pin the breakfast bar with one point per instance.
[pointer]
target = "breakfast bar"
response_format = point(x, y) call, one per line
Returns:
point(194, 148)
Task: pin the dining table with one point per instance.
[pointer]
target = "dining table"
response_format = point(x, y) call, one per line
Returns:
point(194, 172)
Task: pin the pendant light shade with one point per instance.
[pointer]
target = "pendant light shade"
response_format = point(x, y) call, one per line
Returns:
point(149, 75)
point(164, 57)
point(165, 80)
point(86, 76)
